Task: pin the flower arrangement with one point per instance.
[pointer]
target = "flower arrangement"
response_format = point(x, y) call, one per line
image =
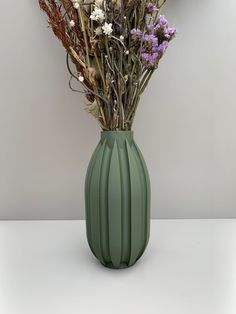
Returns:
point(115, 47)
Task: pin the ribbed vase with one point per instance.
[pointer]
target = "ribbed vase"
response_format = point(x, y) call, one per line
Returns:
point(117, 197)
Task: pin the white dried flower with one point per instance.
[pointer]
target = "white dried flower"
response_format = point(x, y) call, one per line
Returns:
point(127, 52)
point(97, 15)
point(81, 78)
point(72, 23)
point(107, 28)
point(76, 5)
point(98, 31)
point(122, 37)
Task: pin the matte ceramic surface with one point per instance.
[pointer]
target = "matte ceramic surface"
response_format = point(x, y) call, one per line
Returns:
point(117, 196)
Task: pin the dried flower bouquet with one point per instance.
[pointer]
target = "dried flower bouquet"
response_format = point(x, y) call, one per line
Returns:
point(115, 46)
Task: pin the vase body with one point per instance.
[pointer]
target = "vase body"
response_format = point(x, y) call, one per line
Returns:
point(117, 198)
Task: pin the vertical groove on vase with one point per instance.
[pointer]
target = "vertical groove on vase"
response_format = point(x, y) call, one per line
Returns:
point(148, 194)
point(143, 181)
point(129, 225)
point(119, 146)
point(136, 206)
point(114, 205)
point(143, 202)
point(87, 195)
point(104, 203)
point(125, 186)
point(95, 204)
point(107, 204)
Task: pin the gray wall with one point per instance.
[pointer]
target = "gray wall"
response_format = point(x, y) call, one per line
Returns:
point(185, 125)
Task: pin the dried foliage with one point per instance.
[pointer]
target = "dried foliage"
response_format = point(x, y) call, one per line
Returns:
point(115, 47)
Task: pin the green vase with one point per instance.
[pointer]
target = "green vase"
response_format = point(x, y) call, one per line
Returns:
point(117, 197)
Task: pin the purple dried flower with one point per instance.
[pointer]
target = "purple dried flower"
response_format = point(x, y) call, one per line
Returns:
point(156, 39)
point(136, 33)
point(150, 38)
point(170, 32)
point(151, 8)
point(162, 21)
point(149, 49)
point(150, 58)
point(150, 43)
point(162, 47)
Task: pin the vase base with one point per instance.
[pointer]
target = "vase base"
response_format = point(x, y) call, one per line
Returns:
point(121, 266)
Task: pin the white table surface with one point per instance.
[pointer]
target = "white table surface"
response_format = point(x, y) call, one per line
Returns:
point(189, 268)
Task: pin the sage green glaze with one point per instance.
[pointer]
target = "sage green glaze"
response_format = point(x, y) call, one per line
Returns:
point(117, 197)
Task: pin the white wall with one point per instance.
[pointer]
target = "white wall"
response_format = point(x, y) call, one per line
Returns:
point(185, 125)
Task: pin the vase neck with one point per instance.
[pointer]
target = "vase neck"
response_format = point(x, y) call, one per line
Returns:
point(119, 136)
